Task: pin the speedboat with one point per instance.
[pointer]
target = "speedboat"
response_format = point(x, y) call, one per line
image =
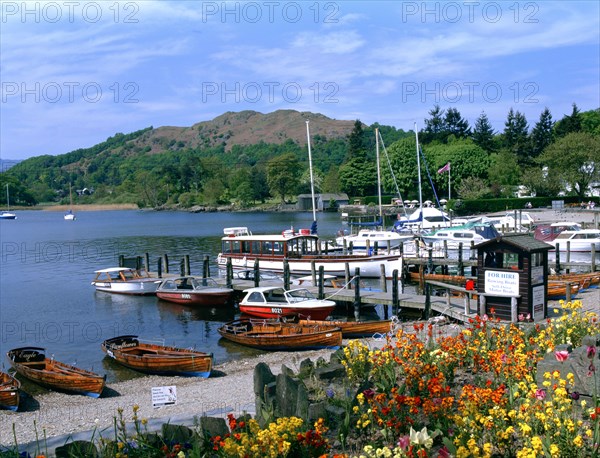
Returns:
point(548, 232)
point(581, 240)
point(275, 302)
point(124, 280)
point(191, 290)
point(454, 236)
point(385, 240)
point(425, 218)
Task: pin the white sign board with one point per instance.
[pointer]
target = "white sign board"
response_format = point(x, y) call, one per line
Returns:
point(537, 300)
point(164, 396)
point(501, 283)
point(537, 275)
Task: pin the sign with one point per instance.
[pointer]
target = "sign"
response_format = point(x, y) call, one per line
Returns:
point(164, 396)
point(537, 300)
point(501, 283)
point(537, 275)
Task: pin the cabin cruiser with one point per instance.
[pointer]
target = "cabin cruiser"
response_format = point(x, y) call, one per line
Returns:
point(475, 232)
point(579, 240)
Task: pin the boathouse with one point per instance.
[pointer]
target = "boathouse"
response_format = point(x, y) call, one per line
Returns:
point(323, 202)
point(512, 277)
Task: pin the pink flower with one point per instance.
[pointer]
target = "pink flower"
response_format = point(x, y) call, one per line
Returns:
point(540, 394)
point(591, 351)
point(561, 355)
point(404, 442)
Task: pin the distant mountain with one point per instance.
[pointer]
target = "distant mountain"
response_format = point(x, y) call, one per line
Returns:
point(6, 164)
point(244, 128)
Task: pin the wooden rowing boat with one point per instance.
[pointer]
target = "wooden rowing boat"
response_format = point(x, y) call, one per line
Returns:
point(281, 336)
point(158, 359)
point(558, 290)
point(31, 362)
point(9, 392)
point(585, 279)
point(353, 329)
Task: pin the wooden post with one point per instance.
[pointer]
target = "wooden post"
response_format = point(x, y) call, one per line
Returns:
point(446, 249)
point(321, 282)
point(229, 271)
point(205, 268)
point(593, 266)
point(182, 267)
point(350, 247)
point(186, 263)
point(286, 274)
point(121, 260)
point(472, 254)
point(376, 248)
point(430, 258)
point(568, 260)
point(481, 305)
point(395, 297)
point(313, 272)
point(382, 279)
point(461, 266)
point(557, 261)
point(159, 268)
point(166, 263)
point(256, 273)
point(347, 272)
point(357, 303)
point(427, 310)
point(513, 309)
point(147, 262)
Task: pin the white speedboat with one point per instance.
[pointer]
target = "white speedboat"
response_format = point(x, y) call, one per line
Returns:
point(275, 302)
point(190, 290)
point(124, 280)
point(466, 234)
point(425, 218)
point(385, 240)
point(581, 240)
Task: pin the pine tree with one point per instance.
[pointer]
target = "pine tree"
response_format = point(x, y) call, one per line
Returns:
point(516, 136)
point(542, 135)
point(356, 143)
point(435, 127)
point(483, 133)
point(456, 125)
point(569, 123)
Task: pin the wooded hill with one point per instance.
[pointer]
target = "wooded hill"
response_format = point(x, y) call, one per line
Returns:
point(242, 158)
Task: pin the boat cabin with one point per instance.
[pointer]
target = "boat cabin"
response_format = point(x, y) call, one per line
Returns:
point(289, 244)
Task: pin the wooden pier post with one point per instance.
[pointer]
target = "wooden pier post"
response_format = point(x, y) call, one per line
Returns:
point(567, 269)
point(147, 262)
point(427, 310)
point(159, 268)
point(376, 248)
point(186, 264)
point(557, 261)
point(121, 260)
point(357, 303)
point(206, 267)
point(395, 296)
point(182, 268)
point(229, 273)
point(347, 272)
point(430, 258)
point(461, 266)
point(313, 272)
point(256, 273)
point(321, 282)
point(286, 274)
point(593, 266)
point(165, 261)
point(382, 279)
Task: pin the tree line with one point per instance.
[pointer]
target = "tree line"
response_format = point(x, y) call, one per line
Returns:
point(546, 158)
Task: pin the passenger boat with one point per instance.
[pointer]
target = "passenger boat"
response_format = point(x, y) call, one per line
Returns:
point(32, 363)
point(191, 290)
point(158, 359)
point(301, 250)
point(583, 240)
point(355, 329)
point(275, 302)
point(124, 280)
point(329, 281)
point(9, 392)
point(280, 335)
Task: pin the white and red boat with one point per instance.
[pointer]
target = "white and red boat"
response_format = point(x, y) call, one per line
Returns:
point(191, 290)
point(300, 250)
point(275, 302)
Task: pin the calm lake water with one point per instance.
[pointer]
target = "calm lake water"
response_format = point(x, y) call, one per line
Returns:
point(47, 264)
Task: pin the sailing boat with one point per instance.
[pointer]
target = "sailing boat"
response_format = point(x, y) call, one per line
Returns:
point(7, 214)
point(366, 238)
point(70, 216)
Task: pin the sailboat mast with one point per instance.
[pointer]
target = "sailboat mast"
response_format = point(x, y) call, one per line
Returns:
point(419, 172)
point(378, 175)
point(312, 183)
point(7, 199)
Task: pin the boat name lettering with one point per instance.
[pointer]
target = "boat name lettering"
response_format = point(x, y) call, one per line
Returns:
point(28, 356)
point(186, 296)
point(276, 310)
point(125, 345)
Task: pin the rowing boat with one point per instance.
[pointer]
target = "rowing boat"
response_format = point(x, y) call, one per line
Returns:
point(353, 329)
point(280, 335)
point(31, 362)
point(158, 359)
point(9, 392)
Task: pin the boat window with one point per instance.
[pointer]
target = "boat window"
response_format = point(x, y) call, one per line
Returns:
point(255, 247)
point(256, 297)
point(277, 248)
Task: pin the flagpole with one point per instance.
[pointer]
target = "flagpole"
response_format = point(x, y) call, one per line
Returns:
point(449, 193)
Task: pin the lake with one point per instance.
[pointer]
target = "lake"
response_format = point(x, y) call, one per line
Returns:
point(47, 263)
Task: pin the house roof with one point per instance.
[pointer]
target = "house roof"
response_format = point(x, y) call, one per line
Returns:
point(523, 242)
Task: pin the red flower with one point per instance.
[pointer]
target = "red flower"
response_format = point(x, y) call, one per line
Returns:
point(561, 355)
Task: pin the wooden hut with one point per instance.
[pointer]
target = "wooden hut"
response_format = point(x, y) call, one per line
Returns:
point(512, 277)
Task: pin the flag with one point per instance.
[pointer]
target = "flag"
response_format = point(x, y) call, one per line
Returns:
point(445, 168)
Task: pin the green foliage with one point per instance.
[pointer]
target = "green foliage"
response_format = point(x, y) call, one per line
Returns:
point(283, 175)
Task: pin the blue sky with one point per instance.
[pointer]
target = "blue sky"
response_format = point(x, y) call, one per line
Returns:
point(74, 73)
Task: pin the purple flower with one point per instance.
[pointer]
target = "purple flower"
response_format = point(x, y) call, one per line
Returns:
point(574, 395)
point(591, 351)
point(329, 392)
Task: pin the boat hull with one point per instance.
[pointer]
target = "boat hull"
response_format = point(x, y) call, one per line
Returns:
point(274, 311)
point(204, 298)
point(276, 336)
point(9, 392)
point(158, 359)
point(32, 364)
point(133, 287)
point(355, 329)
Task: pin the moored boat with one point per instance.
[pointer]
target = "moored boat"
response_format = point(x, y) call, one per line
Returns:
point(301, 250)
point(9, 392)
point(191, 290)
point(275, 302)
point(124, 280)
point(583, 240)
point(31, 363)
point(152, 358)
point(281, 336)
point(354, 329)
